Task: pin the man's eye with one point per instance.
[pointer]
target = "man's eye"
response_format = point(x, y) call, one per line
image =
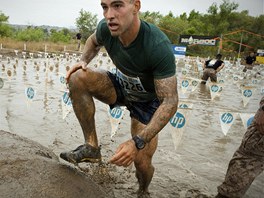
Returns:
point(104, 7)
point(117, 5)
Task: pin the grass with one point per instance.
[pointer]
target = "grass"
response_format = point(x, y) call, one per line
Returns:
point(8, 44)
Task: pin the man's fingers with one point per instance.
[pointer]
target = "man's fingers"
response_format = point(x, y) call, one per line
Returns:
point(129, 163)
point(115, 158)
point(119, 149)
point(120, 158)
point(72, 70)
point(122, 161)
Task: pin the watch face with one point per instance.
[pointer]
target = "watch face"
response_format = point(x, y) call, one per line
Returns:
point(140, 144)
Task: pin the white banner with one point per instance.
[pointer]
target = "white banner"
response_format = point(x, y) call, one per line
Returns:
point(185, 83)
point(66, 104)
point(184, 72)
point(185, 105)
point(30, 93)
point(215, 90)
point(178, 125)
point(221, 81)
point(235, 78)
point(194, 83)
point(255, 81)
point(247, 93)
point(226, 120)
point(62, 81)
point(115, 116)
point(247, 119)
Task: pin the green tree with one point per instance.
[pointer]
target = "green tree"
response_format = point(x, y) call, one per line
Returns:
point(151, 17)
point(257, 38)
point(183, 16)
point(5, 29)
point(196, 25)
point(60, 36)
point(194, 16)
point(173, 27)
point(86, 23)
point(30, 34)
point(217, 18)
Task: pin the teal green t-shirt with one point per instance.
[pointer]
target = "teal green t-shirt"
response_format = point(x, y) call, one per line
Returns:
point(148, 57)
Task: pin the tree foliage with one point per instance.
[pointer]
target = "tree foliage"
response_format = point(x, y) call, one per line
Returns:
point(5, 29)
point(63, 36)
point(30, 34)
point(151, 17)
point(221, 19)
point(86, 23)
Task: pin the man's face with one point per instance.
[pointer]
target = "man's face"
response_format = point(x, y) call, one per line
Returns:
point(119, 15)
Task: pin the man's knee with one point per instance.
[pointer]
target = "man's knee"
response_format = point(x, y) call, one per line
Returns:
point(83, 79)
point(143, 164)
point(144, 160)
point(76, 78)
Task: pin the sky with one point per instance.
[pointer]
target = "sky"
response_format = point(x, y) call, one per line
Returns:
point(63, 13)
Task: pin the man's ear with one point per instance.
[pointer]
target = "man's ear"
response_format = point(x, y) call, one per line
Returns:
point(137, 5)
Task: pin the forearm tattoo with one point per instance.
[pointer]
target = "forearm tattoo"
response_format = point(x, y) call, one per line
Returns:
point(167, 93)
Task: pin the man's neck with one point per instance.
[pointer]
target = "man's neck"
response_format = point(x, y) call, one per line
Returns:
point(131, 34)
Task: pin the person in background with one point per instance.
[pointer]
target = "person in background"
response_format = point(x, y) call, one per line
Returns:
point(249, 61)
point(79, 38)
point(144, 81)
point(211, 67)
point(248, 161)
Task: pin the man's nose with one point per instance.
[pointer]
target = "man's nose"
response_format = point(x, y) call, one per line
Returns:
point(110, 13)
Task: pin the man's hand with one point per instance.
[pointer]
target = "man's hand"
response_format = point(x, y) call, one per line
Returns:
point(259, 119)
point(74, 68)
point(125, 154)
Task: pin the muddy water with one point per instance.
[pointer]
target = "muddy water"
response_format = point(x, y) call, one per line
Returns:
point(194, 169)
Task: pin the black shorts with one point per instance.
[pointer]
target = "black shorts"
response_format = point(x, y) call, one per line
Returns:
point(142, 111)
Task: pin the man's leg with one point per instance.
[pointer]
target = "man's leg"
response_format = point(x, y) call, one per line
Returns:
point(246, 164)
point(79, 45)
point(205, 76)
point(83, 86)
point(213, 77)
point(144, 167)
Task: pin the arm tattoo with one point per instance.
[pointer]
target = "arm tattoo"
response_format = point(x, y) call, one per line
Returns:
point(166, 90)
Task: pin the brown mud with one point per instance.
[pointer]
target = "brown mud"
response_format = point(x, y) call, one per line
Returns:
point(28, 169)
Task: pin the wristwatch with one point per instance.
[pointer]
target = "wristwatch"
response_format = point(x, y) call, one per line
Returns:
point(139, 142)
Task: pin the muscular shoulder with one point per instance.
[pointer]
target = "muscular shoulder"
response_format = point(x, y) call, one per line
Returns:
point(158, 50)
point(102, 32)
point(153, 36)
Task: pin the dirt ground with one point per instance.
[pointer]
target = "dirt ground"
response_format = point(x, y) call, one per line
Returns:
point(28, 169)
